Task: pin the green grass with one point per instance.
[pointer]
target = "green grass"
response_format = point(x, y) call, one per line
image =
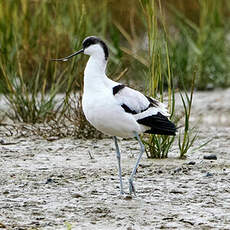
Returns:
point(187, 138)
point(29, 102)
point(204, 44)
point(31, 93)
point(159, 79)
point(158, 73)
point(68, 226)
point(32, 32)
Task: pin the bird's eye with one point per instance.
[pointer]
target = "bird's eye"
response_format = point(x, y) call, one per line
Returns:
point(87, 44)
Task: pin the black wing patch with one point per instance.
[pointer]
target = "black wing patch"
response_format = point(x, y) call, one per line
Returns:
point(117, 88)
point(159, 124)
point(153, 103)
point(127, 109)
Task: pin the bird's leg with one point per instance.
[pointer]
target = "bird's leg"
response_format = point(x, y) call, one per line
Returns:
point(119, 164)
point(142, 149)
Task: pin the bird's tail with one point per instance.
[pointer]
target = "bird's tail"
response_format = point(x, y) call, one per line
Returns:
point(158, 124)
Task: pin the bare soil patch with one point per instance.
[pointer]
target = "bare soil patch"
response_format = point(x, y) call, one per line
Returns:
point(61, 182)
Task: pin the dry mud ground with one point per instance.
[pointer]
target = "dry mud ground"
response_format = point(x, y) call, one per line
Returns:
point(57, 185)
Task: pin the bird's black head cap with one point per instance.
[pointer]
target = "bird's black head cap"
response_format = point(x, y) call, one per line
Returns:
point(92, 40)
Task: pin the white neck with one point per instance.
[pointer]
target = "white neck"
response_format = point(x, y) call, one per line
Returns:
point(94, 71)
point(95, 65)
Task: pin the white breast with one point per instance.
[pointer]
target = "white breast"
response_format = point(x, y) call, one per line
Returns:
point(105, 114)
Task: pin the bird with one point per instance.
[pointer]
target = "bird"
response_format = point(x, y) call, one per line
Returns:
point(116, 109)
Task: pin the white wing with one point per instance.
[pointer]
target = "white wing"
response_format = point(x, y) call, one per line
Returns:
point(149, 113)
point(138, 104)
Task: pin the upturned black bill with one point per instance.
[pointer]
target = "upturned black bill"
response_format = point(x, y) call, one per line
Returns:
point(68, 57)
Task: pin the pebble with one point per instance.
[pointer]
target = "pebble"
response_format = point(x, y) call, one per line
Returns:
point(77, 195)
point(130, 228)
point(191, 163)
point(52, 138)
point(2, 225)
point(208, 174)
point(177, 170)
point(49, 180)
point(145, 165)
point(159, 171)
point(128, 197)
point(175, 191)
point(6, 192)
point(210, 157)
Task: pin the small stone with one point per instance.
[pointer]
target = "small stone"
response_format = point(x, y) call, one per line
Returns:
point(208, 174)
point(60, 176)
point(177, 170)
point(77, 195)
point(6, 192)
point(128, 197)
point(49, 180)
point(191, 163)
point(210, 157)
point(35, 223)
point(52, 138)
point(2, 225)
point(185, 170)
point(42, 168)
point(144, 165)
point(94, 191)
point(130, 228)
point(175, 191)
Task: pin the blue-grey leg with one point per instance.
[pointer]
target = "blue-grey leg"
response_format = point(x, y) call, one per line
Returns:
point(119, 164)
point(142, 149)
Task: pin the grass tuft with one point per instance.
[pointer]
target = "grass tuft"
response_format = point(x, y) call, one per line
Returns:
point(158, 146)
point(186, 140)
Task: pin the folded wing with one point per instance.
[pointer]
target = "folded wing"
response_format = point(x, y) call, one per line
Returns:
point(148, 112)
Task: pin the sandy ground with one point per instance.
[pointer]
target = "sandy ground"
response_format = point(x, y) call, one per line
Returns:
point(73, 184)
